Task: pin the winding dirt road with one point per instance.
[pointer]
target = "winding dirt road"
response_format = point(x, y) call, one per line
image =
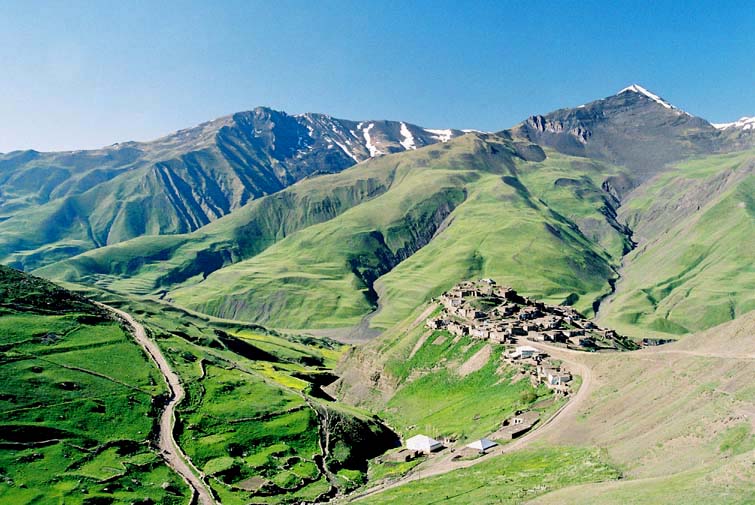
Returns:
point(169, 449)
point(444, 463)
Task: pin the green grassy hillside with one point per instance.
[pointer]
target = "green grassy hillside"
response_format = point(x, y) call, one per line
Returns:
point(390, 233)
point(430, 382)
point(255, 418)
point(384, 237)
point(78, 400)
point(692, 268)
point(155, 263)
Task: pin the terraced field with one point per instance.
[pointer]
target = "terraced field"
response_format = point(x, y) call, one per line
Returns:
point(78, 405)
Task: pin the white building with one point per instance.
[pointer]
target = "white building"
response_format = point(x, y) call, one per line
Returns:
point(423, 443)
point(482, 445)
point(558, 378)
point(525, 351)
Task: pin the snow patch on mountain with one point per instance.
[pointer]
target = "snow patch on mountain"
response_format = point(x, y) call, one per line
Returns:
point(346, 150)
point(743, 123)
point(374, 151)
point(440, 135)
point(636, 88)
point(408, 141)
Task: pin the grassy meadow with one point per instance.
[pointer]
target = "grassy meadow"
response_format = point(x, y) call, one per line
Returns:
point(435, 399)
point(78, 405)
point(510, 479)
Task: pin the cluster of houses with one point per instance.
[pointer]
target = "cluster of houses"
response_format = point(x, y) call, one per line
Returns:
point(542, 370)
point(486, 311)
point(483, 310)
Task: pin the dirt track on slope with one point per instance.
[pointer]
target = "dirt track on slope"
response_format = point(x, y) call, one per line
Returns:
point(443, 463)
point(169, 448)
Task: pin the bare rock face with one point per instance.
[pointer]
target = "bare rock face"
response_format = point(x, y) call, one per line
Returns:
point(363, 380)
point(634, 128)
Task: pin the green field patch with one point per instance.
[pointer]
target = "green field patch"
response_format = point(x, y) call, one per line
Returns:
point(305, 469)
point(509, 479)
point(104, 466)
point(435, 399)
point(218, 465)
point(737, 439)
point(266, 455)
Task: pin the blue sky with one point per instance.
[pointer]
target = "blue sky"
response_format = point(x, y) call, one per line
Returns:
point(86, 74)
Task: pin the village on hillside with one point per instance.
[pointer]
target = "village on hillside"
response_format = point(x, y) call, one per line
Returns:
point(485, 311)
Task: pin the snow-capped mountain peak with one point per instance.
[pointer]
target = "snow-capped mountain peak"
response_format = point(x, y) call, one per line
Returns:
point(743, 123)
point(636, 88)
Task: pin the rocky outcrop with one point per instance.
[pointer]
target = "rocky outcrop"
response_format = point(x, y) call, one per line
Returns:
point(634, 128)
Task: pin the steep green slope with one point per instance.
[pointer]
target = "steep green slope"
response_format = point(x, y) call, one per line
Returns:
point(696, 230)
point(78, 400)
point(323, 275)
point(57, 205)
point(432, 381)
point(391, 232)
point(520, 226)
point(155, 263)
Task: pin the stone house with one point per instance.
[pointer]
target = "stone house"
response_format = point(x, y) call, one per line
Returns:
point(458, 329)
point(437, 324)
point(556, 336)
point(515, 329)
point(555, 378)
point(480, 332)
point(552, 323)
point(528, 313)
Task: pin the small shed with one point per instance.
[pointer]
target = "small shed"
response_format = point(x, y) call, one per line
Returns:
point(424, 444)
point(482, 445)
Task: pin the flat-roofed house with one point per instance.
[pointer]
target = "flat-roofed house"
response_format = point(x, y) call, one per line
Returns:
point(526, 351)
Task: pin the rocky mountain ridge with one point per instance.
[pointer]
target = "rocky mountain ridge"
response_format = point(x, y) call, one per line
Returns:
point(80, 200)
point(634, 128)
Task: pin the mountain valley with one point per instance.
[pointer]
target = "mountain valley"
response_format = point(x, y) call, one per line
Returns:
point(296, 273)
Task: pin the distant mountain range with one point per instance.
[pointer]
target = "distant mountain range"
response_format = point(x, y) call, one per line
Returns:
point(627, 207)
point(78, 200)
